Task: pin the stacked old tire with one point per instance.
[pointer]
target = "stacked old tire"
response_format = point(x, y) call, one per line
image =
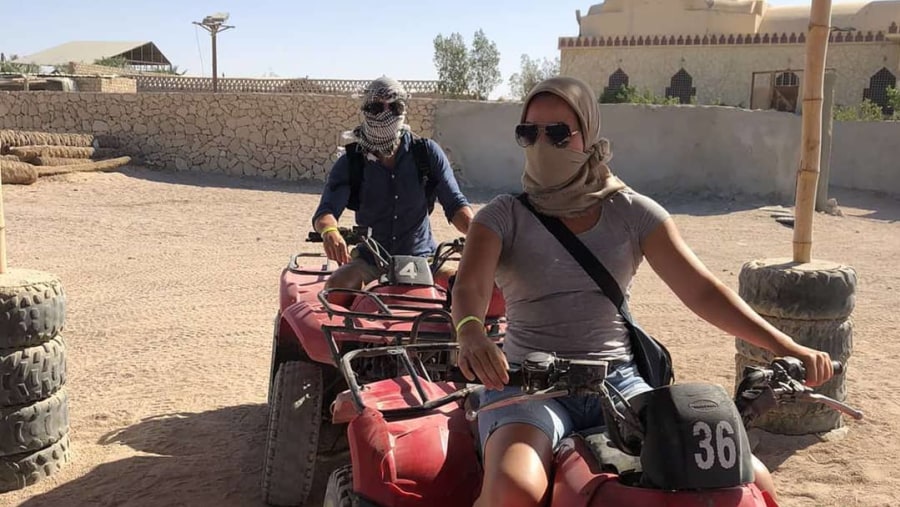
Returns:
point(812, 303)
point(34, 417)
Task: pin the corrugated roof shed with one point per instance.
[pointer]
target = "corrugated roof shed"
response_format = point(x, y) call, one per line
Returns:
point(137, 53)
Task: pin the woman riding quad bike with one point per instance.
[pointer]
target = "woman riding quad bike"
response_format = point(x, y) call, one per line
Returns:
point(414, 438)
point(564, 253)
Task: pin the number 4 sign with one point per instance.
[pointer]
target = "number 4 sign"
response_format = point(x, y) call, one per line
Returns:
point(409, 271)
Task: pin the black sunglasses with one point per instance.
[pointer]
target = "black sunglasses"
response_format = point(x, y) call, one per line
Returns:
point(397, 107)
point(558, 133)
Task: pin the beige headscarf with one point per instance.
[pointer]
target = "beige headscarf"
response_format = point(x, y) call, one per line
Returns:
point(590, 183)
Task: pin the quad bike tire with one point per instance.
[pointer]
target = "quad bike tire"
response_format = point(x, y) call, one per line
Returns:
point(30, 374)
point(817, 290)
point(32, 308)
point(22, 470)
point(34, 427)
point(295, 416)
point(332, 437)
point(339, 492)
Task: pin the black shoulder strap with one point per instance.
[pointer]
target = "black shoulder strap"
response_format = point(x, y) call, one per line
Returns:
point(651, 357)
point(356, 163)
point(585, 258)
point(419, 148)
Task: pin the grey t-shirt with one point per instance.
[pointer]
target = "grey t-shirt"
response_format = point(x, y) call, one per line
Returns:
point(552, 304)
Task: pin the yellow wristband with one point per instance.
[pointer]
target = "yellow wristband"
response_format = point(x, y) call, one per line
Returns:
point(466, 320)
point(328, 229)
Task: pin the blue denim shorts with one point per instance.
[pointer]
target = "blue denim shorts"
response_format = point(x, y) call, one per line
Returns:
point(558, 417)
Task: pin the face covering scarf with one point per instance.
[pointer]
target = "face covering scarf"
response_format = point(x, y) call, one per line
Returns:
point(562, 182)
point(380, 133)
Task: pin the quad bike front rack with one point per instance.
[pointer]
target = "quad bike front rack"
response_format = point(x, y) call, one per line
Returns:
point(416, 372)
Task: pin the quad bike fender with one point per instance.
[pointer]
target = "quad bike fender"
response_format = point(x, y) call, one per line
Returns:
point(424, 461)
point(301, 286)
point(579, 482)
point(304, 323)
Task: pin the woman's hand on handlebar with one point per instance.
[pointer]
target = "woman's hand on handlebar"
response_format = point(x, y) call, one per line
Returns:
point(336, 247)
point(818, 365)
point(480, 357)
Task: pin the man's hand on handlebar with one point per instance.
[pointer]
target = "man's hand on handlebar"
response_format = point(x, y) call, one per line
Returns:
point(336, 247)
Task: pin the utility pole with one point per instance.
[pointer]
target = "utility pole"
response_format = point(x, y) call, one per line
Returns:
point(214, 24)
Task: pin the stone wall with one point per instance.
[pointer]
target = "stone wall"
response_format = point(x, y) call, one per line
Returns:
point(105, 84)
point(295, 136)
point(90, 69)
point(283, 136)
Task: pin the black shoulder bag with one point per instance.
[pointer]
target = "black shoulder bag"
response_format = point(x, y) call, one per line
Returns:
point(651, 357)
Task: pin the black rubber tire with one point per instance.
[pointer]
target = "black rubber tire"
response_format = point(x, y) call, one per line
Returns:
point(339, 492)
point(295, 416)
point(818, 290)
point(32, 308)
point(32, 373)
point(22, 470)
point(33, 427)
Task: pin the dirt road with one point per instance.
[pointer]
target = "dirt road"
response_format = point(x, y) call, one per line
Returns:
point(172, 281)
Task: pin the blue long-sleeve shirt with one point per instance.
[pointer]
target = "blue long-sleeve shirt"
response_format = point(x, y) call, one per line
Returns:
point(392, 201)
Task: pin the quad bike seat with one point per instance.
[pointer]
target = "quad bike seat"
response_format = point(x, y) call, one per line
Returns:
point(608, 456)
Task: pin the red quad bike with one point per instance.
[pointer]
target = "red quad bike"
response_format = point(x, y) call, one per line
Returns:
point(413, 441)
point(312, 332)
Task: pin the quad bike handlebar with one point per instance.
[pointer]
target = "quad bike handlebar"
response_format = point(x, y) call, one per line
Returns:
point(358, 235)
point(544, 376)
point(762, 389)
point(352, 235)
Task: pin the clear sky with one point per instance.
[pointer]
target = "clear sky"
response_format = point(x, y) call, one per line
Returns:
point(350, 39)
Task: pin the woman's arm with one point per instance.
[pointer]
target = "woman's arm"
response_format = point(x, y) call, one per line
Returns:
point(478, 355)
point(678, 266)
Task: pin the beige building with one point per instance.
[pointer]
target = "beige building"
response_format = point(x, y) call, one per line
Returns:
point(735, 52)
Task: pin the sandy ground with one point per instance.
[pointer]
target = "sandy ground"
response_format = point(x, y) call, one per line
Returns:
point(173, 280)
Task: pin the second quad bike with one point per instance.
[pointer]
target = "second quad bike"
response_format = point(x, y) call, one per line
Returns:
point(315, 326)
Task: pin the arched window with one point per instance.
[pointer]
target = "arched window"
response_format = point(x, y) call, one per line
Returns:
point(877, 90)
point(682, 87)
point(617, 81)
point(787, 79)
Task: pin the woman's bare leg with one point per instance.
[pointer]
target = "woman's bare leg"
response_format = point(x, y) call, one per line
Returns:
point(517, 461)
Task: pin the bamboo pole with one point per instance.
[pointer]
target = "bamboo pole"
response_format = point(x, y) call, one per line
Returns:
point(808, 172)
